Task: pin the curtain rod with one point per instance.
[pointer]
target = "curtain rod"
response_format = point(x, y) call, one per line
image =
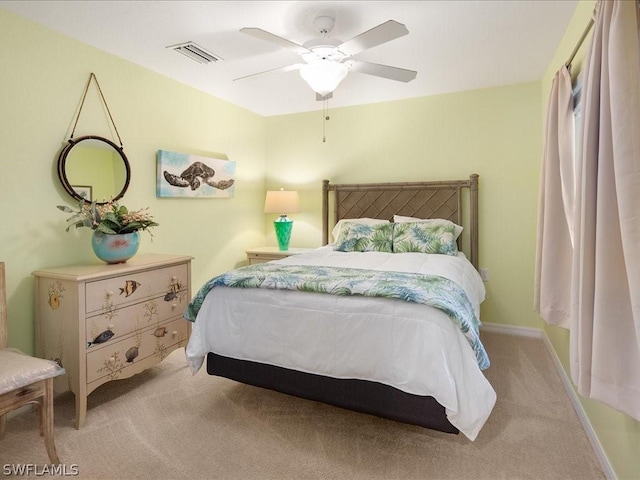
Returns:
point(575, 50)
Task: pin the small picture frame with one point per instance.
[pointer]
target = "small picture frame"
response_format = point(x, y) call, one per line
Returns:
point(85, 191)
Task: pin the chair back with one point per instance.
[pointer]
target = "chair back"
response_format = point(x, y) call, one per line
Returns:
point(4, 336)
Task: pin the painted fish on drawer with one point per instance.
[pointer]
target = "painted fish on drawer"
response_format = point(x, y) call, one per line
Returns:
point(130, 286)
point(172, 293)
point(131, 354)
point(103, 337)
point(160, 332)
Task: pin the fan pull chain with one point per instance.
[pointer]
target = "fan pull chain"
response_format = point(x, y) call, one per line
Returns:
point(325, 117)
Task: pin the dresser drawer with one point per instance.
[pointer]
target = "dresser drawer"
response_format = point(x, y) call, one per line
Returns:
point(115, 323)
point(113, 359)
point(113, 292)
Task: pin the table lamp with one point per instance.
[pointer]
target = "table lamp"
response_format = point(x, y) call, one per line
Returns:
point(282, 202)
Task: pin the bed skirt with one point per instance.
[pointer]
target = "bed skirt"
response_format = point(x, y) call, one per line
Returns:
point(353, 394)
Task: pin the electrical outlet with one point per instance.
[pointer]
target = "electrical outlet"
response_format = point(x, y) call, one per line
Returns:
point(484, 274)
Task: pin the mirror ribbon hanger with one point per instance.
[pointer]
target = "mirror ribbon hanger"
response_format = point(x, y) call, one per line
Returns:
point(92, 76)
point(117, 171)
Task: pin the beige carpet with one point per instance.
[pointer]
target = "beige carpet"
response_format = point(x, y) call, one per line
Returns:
point(166, 424)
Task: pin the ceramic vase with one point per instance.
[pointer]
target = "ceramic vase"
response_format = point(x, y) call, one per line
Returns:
point(116, 248)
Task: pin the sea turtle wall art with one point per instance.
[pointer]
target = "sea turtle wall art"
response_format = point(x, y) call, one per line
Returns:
point(184, 175)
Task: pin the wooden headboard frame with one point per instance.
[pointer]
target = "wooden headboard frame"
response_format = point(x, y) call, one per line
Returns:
point(442, 199)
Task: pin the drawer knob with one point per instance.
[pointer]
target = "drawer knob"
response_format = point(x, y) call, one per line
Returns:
point(174, 305)
point(174, 278)
point(110, 326)
point(174, 333)
point(112, 359)
point(110, 294)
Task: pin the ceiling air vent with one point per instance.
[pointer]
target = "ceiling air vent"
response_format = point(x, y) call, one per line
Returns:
point(195, 52)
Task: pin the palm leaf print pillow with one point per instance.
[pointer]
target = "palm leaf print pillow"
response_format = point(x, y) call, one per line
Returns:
point(424, 238)
point(359, 237)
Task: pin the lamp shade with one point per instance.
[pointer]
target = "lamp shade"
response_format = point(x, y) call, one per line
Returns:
point(324, 76)
point(282, 202)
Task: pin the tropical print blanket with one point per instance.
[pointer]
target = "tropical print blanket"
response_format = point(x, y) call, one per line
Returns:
point(432, 290)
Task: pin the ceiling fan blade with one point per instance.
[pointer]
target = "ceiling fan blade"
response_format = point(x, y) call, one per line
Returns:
point(383, 33)
point(288, 68)
point(384, 71)
point(270, 37)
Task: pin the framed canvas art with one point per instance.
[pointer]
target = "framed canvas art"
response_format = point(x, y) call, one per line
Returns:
point(193, 176)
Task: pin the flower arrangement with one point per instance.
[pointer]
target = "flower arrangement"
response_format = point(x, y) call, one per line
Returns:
point(109, 218)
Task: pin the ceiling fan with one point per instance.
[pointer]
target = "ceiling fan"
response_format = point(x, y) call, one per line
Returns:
point(327, 61)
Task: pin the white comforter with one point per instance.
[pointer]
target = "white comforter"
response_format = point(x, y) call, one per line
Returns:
point(412, 347)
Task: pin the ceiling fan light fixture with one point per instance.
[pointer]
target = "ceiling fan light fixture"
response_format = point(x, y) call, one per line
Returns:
point(324, 76)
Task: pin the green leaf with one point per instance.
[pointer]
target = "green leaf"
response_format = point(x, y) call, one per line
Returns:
point(102, 227)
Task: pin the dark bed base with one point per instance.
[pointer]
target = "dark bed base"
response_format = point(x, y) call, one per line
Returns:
point(359, 395)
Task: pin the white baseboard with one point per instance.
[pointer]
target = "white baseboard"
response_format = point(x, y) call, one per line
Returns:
point(512, 330)
point(568, 387)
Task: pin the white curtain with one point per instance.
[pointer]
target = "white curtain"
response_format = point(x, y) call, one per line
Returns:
point(552, 289)
point(605, 306)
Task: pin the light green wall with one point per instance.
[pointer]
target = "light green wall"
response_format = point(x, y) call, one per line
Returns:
point(43, 77)
point(619, 434)
point(494, 133)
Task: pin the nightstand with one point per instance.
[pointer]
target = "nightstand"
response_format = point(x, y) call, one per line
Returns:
point(266, 254)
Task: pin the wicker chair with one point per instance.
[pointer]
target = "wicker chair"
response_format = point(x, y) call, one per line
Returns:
point(25, 380)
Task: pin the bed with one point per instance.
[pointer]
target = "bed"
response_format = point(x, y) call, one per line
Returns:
point(355, 323)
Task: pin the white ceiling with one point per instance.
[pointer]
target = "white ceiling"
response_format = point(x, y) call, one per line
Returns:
point(454, 45)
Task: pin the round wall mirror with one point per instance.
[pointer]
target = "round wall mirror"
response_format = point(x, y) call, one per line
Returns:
point(94, 168)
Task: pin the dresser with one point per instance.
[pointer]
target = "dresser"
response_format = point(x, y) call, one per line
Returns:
point(266, 254)
point(108, 322)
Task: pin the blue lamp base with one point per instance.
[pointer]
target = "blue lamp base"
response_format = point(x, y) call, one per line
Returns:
point(283, 226)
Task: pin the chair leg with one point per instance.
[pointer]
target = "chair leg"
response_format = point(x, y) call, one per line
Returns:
point(3, 425)
point(47, 422)
point(40, 406)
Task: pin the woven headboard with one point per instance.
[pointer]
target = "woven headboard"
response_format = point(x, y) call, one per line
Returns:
point(442, 199)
